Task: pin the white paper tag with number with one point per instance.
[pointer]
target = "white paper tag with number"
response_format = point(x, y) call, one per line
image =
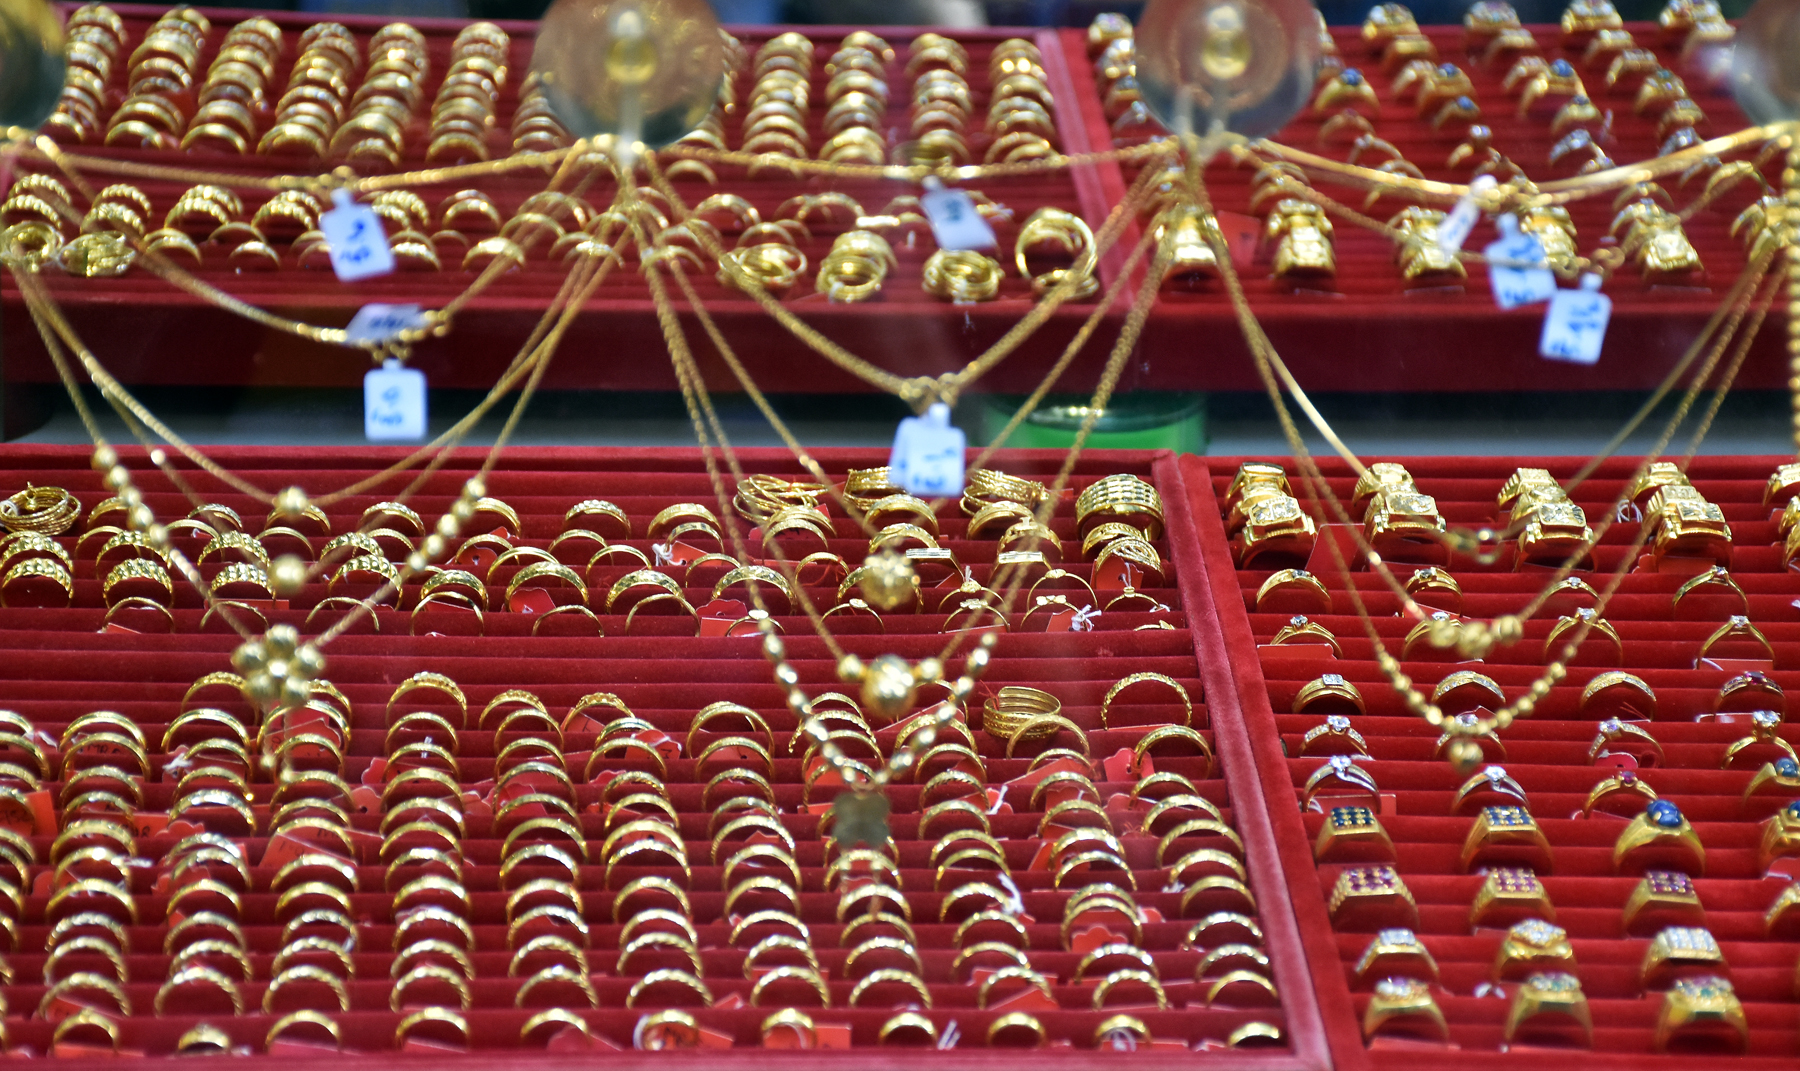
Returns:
point(394, 403)
point(1460, 223)
point(1513, 284)
point(355, 239)
point(955, 221)
point(378, 323)
point(1575, 326)
point(927, 458)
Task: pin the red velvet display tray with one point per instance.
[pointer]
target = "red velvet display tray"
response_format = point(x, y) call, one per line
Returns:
point(903, 329)
point(1360, 332)
point(56, 666)
point(1364, 331)
point(1548, 754)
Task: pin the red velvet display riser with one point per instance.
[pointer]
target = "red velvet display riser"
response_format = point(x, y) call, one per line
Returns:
point(1334, 339)
point(622, 313)
point(56, 667)
point(1547, 754)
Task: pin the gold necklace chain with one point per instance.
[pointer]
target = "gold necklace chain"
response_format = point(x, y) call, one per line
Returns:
point(1464, 751)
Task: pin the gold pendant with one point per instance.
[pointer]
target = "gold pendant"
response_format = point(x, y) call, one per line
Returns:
point(860, 818)
point(890, 684)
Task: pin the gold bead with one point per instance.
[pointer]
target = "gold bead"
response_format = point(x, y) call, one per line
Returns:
point(1465, 755)
point(888, 581)
point(291, 502)
point(287, 575)
point(889, 688)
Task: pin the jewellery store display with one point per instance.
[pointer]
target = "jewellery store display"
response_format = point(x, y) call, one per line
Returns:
point(1612, 861)
point(615, 849)
point(1300, 763)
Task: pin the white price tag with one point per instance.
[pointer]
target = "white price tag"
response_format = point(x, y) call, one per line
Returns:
point(1575, 326)
point(955, 221)
point(378, 323)
point(927, 458)
point(355, 239)
point(394, 403)
point(1457, 226)
point(1514, 283)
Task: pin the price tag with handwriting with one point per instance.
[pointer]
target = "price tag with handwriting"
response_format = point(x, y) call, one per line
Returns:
point(378, 323)
point(1461, 220)
point(1517, 271)
point(927, 458)
point(1575, 326)
point(955, 221)
point(394, 403)
point(355, 239)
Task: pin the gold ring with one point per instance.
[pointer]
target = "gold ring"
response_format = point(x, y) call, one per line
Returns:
point(1507, 833)
point(1663, 898)
point(1704, 1005)
point(1491, 780)
point(1123, 683)
point(1406, 1003)
point(1704, 584)
point(1353, 833)
point(1660, 834)
point(1330, 693)
point(1738, 627)
point(1549, 995)
point(1396, 953)
point(1341, 769)
point(1617, 694)
point(1613, 736)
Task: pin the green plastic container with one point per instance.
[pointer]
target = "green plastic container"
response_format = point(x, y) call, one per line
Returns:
point(1144, 420)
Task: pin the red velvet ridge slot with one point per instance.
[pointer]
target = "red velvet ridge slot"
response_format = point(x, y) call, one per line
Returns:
point(1549, 756)
point(58, 666)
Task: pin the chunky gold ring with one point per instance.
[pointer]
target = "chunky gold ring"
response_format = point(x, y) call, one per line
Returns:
point(1703, 1005)
point(1549, 995)
point(1506, 832)
point(1780, 779)
point(1660, 833)
point(1404, 1002)
point(1662, 898)
point(1396, 953)
point(1530, 946)
point(1352, 833)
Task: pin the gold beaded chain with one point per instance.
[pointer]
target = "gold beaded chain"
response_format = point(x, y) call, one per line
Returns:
point(917, 391)
point(1464, 750)
point(889, 683)
point(1790, 194)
